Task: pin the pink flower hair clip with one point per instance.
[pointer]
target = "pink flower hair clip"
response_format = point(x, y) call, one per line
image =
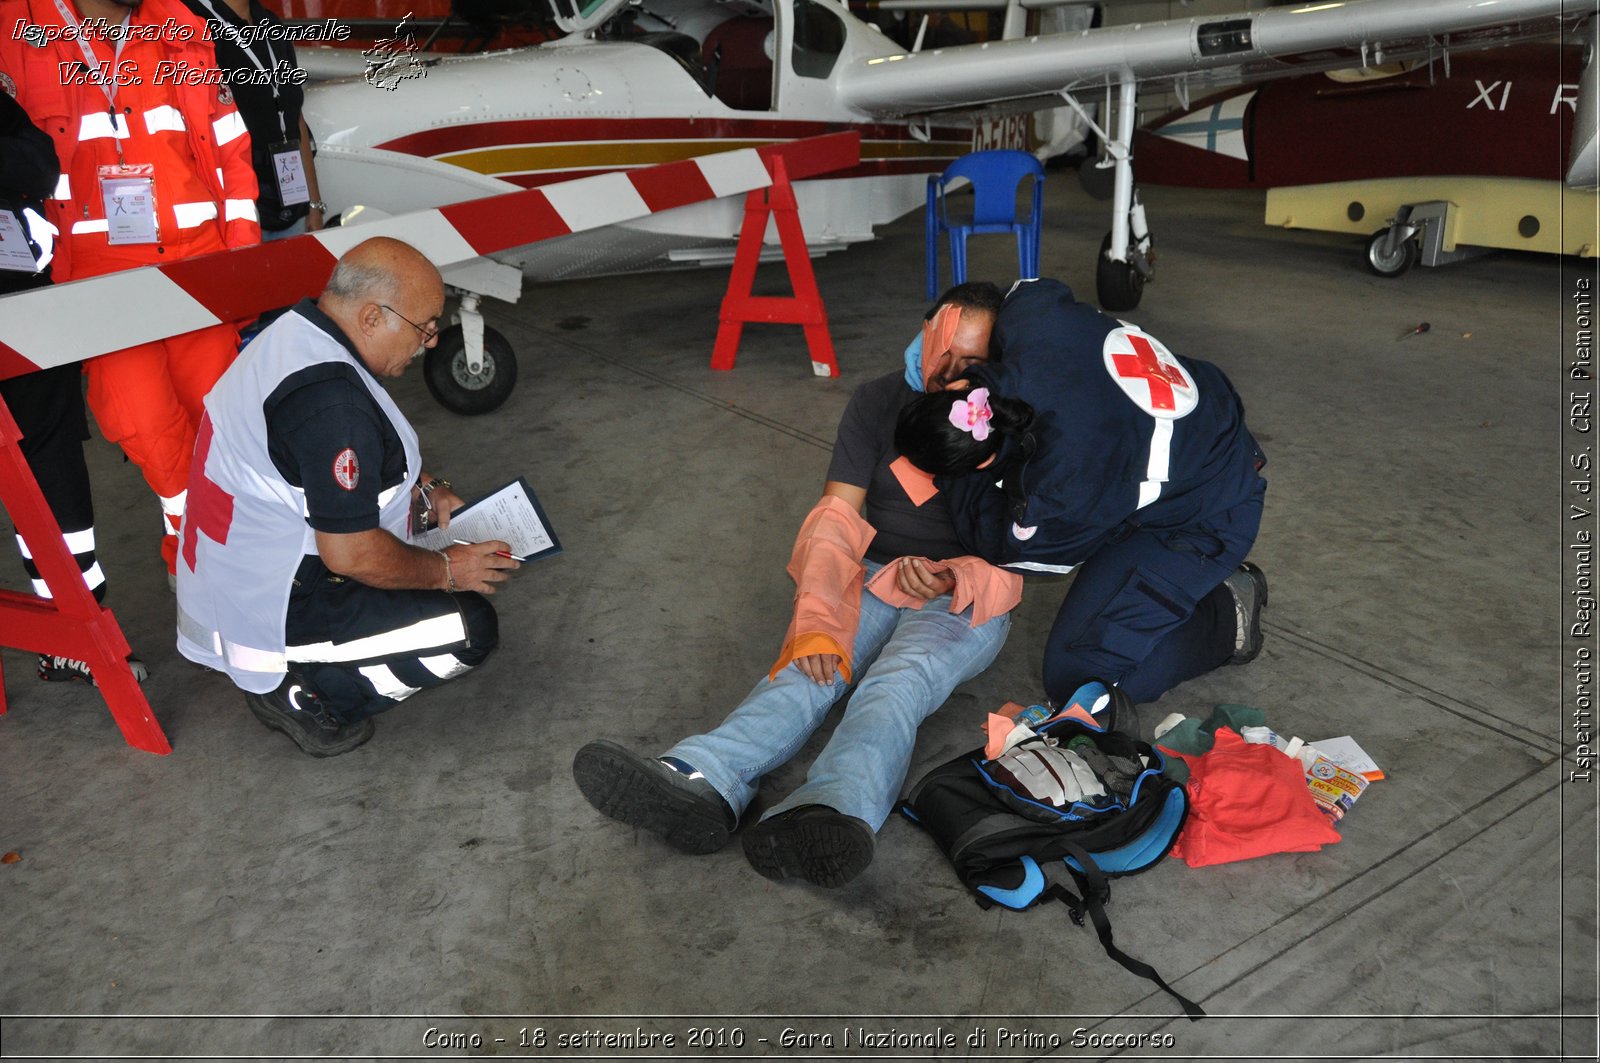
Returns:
point(972, 415)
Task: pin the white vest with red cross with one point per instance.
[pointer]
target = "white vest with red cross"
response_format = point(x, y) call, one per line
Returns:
point(245, 531)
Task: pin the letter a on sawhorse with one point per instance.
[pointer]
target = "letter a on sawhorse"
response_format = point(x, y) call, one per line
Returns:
point(804, 308)
point(70, 623)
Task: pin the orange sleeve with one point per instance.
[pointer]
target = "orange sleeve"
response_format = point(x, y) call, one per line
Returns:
point(827, 572)
point(991, 591)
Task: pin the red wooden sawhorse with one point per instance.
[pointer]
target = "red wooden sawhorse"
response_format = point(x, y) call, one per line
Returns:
point(71, 623)
point(804, 308)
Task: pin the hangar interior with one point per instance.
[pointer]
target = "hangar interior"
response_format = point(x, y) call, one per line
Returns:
point(239, 898)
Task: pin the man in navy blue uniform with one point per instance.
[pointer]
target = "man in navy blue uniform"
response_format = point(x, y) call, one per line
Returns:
point(1086, 445)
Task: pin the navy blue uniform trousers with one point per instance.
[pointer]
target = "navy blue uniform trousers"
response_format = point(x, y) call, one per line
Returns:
point(386, 644)
point(1148, 609)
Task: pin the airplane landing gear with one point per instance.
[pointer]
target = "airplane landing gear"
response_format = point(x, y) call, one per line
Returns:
point(1126, 257)
point(472, 369)
point(1392, 251)
point(451, 379)
point(1118, 285)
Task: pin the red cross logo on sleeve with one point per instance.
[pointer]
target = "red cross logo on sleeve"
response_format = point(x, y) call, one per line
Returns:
point(1158, 375)
point(209, 508)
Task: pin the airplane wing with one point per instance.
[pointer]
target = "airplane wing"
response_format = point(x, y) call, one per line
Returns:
point(1247, 46)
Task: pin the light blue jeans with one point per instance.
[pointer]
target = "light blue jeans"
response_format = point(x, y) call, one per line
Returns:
point(906, 662)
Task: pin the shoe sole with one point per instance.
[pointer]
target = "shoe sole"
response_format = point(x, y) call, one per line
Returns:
point(623, 786)
point(63, 675)
point(52, 674)
point(358, 734)
point(824, 852)
point(1251, 652)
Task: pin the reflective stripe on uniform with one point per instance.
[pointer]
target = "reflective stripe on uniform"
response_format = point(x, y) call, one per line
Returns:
point(1160, 463)
point(63, 188)
point(444, 665)
point(239, 209)
point(386, 683)
point(97, 125)
point(164, 119)
point(78, 542)
point(228, 128)
point(251, 659)
point(94, 577)
point(1039, 566)
point(423, 635)
point(81, 227)
point(172, 512)
point(189, 215)
point(198, 634)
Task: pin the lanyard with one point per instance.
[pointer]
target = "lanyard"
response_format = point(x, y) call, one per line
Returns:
point(238, 40)
point(108, 85)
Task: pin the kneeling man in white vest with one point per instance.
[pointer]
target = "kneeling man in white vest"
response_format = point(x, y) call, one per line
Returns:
point(296, 573)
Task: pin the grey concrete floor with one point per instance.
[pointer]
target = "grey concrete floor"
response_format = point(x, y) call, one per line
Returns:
point(238, 898)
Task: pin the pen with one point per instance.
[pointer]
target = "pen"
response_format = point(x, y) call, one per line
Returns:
point(497, 553)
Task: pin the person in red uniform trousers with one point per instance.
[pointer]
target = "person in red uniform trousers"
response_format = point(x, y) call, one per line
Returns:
point(155, 167)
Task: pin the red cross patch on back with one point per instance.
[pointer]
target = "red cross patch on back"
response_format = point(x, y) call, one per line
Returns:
point(1149, 374)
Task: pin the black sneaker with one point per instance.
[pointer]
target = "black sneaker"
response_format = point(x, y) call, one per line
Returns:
point(684, 810)
point(1249, 588)
point(814, 842)
point(54, 669)
point(298, 714)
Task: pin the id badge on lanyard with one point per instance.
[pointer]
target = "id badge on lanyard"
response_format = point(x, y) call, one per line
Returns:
point(128, 191)
point(15, 251)
point(289, 167)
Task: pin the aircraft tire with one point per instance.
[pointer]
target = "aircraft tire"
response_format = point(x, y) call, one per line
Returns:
point(1118, 285)
point(1394, 263)
point(444, 369)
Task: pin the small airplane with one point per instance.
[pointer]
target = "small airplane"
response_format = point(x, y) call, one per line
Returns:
point(617, 92)
point(1483, 162)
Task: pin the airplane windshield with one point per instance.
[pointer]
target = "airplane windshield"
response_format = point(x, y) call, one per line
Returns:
point(818, 39)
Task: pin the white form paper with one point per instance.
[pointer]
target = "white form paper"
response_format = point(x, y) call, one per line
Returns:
point(511, 514)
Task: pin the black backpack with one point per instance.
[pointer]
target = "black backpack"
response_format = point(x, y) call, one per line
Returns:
point(1014, 849)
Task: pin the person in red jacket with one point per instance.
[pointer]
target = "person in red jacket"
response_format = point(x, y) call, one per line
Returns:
point(155, 167)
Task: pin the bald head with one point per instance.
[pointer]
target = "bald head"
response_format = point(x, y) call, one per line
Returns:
point(386, 297)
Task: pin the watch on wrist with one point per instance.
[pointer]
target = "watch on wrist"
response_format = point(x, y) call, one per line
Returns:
point(318, 205)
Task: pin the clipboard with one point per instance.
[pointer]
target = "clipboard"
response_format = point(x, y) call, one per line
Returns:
point(510, 513)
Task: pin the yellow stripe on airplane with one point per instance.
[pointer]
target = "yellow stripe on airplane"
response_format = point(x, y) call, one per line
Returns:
point(616, 154)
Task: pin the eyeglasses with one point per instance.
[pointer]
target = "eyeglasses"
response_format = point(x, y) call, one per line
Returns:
point(427, 334)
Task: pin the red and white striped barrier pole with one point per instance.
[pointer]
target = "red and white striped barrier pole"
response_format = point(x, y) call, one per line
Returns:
point(71, 322)
point(68, 323)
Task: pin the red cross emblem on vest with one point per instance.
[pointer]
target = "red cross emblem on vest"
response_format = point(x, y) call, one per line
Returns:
point(209, 508)
point(1166, 388)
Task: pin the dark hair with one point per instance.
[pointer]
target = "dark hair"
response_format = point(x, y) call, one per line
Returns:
point(972, 295)
point(927, 438)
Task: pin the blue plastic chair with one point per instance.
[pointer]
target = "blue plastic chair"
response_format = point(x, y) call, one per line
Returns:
point(994, 176)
